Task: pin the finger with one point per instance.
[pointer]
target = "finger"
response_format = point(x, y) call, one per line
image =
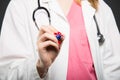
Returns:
point(53, 29)
point(52, 49)
point(49, 46)
point(48, 29)
point(44, 29)
point(47, 36)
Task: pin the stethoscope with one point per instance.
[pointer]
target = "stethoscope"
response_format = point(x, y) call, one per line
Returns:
point(100, 36)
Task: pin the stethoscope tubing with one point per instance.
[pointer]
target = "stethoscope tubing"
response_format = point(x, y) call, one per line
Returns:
point(100, 36)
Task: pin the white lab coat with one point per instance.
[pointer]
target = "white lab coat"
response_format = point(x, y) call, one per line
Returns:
point(18, 54)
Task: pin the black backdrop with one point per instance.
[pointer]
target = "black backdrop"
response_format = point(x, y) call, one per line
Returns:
point(114, 4)
point(3, 5)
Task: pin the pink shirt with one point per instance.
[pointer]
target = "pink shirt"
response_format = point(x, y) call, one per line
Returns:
point(80, 64)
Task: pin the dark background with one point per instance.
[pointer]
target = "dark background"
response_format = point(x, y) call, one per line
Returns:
point(114, 4)
point(3, 5)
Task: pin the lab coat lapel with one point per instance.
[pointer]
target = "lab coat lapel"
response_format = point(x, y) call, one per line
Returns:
point(88, 13)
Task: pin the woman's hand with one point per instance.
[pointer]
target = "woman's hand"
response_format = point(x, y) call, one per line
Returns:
point(48, 47)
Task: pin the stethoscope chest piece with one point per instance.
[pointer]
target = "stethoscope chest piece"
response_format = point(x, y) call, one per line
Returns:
point(100, 36)
point(101, 39)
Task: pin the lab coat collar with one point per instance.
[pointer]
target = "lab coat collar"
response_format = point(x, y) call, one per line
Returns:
point(88, 10)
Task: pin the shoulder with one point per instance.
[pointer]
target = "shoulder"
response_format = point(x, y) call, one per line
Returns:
point(104, 11)
point(104, 8)
point(21, 7)
point(22, 4)
point(17, 5)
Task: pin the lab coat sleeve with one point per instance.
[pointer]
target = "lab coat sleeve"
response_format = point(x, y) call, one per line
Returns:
point(112, 54)
point(17, 60)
